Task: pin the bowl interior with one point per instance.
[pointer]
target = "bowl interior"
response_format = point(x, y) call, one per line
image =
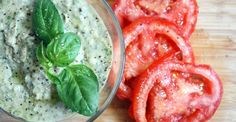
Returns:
point(115, 75)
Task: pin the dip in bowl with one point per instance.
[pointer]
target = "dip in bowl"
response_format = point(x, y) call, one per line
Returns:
point(26, 91)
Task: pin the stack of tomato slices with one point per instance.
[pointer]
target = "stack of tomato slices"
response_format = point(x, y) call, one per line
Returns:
point(161, 79)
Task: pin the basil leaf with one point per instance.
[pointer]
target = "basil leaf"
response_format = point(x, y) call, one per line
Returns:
point(52, 77)
point(63, 49)
point(47, 22)
point(79, 89)
point(41, 56)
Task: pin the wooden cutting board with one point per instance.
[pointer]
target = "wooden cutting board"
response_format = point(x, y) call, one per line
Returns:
point(214, 43)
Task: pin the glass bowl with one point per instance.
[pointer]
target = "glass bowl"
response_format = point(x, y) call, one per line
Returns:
point(115, 76)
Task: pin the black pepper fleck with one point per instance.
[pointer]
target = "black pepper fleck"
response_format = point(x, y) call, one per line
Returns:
point(80, 10)
point(34, 71)
point(27, 68)
point(70, 10)
point(41, 68)
point(105, 70)
point(28, 14)
point(31, 34)
point(97, 19)
point(4, 14)
point(77, 27)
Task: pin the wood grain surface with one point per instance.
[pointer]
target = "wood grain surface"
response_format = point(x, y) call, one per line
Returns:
point(214, 43)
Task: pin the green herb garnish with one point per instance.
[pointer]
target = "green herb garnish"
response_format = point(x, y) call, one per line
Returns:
point(77, 85)
point(63, 49)
point(78, 88)
point(47, 22)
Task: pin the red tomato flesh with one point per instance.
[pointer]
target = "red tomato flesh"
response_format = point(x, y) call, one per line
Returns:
point(146, 40)
point(182, 13)
point(184, 92)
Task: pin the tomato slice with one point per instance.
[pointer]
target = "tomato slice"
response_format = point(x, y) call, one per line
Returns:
point(157, 28)
point(126, 11)
point(184, 92)
point(171, 56)
point(182, 13)
point(146, 40)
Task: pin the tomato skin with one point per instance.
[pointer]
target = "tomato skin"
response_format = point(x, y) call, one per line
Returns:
point(131, 113)
point(158, 26)
point(126, 11)
point(124, 91)
point(182, 13)
point(149, 27)
point(160, 73)
point(143, 86)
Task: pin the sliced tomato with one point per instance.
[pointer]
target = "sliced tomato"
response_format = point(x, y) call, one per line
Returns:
point(142, 86)
point(146, 40)
point(126, 11)
point(160, 30)
point(184, 92)
point(182, 13)
point(131, 113)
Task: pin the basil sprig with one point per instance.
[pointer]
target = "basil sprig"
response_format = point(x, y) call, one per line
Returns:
point(77, 85)
point(47, 22)
point(63, 49)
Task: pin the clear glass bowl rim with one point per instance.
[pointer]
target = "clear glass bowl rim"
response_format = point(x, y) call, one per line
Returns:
point(121, 67)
